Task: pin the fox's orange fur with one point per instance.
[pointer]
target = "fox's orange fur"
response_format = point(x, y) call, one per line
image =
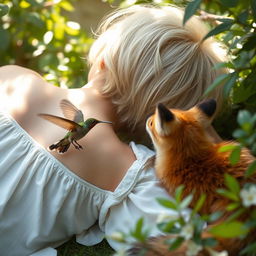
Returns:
point(185, 154)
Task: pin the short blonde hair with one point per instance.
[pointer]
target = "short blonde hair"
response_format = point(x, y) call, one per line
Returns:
point(151, 57)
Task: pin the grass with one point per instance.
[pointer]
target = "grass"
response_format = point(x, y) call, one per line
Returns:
point(71, 248)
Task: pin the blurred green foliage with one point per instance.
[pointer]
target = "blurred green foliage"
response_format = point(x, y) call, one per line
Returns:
point(36, 34)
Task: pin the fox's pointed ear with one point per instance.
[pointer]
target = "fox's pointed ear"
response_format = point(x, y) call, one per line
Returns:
point(163, 119)
point(165, 114)
point(208, 107)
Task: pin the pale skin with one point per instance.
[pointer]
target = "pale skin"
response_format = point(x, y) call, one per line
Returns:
point(104, 159)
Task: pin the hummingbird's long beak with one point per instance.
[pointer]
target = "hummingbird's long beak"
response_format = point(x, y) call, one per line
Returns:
point(106, 122)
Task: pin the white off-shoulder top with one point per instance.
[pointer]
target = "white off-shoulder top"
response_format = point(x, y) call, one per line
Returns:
point(43, 204)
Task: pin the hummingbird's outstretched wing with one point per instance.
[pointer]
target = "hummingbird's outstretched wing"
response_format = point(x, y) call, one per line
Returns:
point(60, 121)
point(71, 112)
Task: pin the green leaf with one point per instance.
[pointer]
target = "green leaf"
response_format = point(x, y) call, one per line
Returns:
point(5, 39)
point(235, 155)
point(251, 43)
point(224, 65)
point(220, 28)
point(190, 10)
point(33, 2)
point(243, 117)
point(48, 60)
point(199, 203)
point(220, 79)
point(232, 184)
point(59, 29)
point(229, 3)
point(168, 227)
point(35, 19)
point(215, 216)
point(24, 4)
point(138, 232)
point(168, 203)
point(232, 206)
point(174, 243)
point(228, 194)
point(66, 5)
point(239, 133)
point(229, 229)
point(241, 93)
point(4, 9)
point(226, 148)
point(236, 214)
point(209, 242)
point(178, 193)
point(225, 19)
point(230, 83)
point(139, 226)
point(251, 248)
point(186, 201)
point(199, 226)
point(242, 60)
point(243, 17)
point(253, 4)
point(251, 169)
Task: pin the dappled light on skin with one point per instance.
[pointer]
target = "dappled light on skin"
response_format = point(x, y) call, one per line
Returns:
point(76, 96)
point(14, 97)
point(88, 85)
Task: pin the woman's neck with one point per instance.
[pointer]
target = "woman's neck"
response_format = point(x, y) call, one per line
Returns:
point(94, 104)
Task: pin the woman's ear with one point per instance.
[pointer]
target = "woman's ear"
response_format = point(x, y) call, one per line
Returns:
point(96, 68)
point(102, 64)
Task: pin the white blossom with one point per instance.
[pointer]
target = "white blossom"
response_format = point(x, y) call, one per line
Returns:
point(248, 196)
point(166, 217)
point(117, 236)
point(120, 253)
point(193, 249)
point(215, 253)
point(187, 231)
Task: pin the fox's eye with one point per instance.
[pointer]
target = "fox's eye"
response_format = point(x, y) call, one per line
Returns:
point(150, 122)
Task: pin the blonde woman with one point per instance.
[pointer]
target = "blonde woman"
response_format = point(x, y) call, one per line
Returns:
point(143, 56)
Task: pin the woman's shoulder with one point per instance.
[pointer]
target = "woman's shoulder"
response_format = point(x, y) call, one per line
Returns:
point(15, 79)
point(15, 70)
point(22, 89)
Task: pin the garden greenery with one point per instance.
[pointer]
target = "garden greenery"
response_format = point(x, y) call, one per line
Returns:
point(35, 34)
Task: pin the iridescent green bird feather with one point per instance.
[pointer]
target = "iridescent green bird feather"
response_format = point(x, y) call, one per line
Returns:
point(74, 123)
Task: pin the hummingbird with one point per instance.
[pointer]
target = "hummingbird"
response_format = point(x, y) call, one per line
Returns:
point(74, 123)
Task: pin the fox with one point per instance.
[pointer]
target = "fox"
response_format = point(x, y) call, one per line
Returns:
point(187, 155)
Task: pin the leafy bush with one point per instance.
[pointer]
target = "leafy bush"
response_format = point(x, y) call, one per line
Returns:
point(36, 34)
point(185, 225)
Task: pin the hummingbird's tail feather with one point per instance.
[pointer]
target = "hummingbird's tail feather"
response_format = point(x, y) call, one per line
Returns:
point(61, 146)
